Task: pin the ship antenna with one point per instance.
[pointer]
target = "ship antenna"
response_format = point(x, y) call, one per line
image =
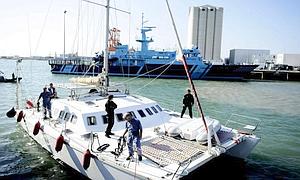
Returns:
point(186, 68)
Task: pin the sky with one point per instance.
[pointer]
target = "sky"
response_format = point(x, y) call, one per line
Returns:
point(35, 27)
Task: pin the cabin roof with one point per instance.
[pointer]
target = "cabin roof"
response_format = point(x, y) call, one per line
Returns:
point(92, 104)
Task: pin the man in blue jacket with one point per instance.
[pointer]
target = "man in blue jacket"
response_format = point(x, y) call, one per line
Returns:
point(134, 127)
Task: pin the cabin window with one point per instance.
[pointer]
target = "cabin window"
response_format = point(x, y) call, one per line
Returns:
point(153, 108)
point(158, 107)
point(132, 114)
point(73, 119)
point(90, 103)
point(105, 120)
point(141, 112)
point(61, 114)
point(149, 111)
point(67, 116)
point(91, 120)
point(120, 116)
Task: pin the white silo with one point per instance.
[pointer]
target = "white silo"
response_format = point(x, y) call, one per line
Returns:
point(208, 35)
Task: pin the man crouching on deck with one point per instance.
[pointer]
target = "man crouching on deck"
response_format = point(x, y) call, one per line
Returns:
point(135, 134)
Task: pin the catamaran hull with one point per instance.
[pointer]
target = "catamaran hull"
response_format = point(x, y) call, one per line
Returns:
point(244, 148)
point(73, 156)
point(104, 166)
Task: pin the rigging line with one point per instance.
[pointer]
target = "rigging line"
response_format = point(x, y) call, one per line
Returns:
point(43, 27)
point(97, 34)
point(82, 33)
point(186, 68)
point(87, 30)
point(131, 79)
point(76, 37)
point(116, 13)
point(89, 68)
point(29, 41)
point(154, 78)
point(106, 6)
point(129, 24)
point(29, 37)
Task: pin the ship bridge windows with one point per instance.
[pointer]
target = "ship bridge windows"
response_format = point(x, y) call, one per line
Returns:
point(91, 120)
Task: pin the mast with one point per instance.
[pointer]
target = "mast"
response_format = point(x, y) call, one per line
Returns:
point(18, 82)
point(186, 69)
point(64, 34)
point(105, 65)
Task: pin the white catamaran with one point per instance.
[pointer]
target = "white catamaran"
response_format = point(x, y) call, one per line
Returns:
point(173, 147)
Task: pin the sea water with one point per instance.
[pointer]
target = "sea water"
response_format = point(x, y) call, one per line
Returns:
point(275, 103)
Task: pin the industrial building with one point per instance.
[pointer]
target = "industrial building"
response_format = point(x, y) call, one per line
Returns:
point(205, 30)
point(249, 56)
point(287, 59)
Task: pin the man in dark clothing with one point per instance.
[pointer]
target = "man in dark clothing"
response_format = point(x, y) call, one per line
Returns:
point(52, 90)
point(188, 102)
point(110, 107)
point(46, 95)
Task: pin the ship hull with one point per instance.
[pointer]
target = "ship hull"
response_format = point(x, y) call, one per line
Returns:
point(174, 71)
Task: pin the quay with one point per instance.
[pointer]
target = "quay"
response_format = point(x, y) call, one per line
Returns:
point(285, 75)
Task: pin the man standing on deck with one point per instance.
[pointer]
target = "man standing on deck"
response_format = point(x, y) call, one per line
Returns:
point(188, 102)
point(52, 90)
point(134, 127)
point(46, 95)
point(110, 107)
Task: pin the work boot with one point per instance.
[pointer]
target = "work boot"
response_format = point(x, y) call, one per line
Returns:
point(129, 157)
point(107, 135)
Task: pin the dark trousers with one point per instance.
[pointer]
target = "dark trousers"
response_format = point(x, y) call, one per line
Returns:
point(111, 121)
point(190, 110)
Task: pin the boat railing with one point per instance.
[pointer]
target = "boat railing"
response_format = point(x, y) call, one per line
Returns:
point(244, 124)
point(71, 61)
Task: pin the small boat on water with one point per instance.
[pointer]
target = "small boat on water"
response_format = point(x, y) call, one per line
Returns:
point(173, 147)
point(13, 79)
